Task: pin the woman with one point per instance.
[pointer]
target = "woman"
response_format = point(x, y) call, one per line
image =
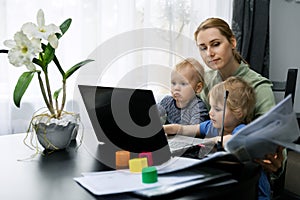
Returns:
point(217, 46)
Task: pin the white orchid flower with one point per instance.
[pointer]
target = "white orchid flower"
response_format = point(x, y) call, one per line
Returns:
point(42, 31)
point(23, 50)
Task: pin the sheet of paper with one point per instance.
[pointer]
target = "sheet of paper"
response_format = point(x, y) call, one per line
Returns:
point(180, 163)
point(113, 182)
point(172, 165)
point(176, 164)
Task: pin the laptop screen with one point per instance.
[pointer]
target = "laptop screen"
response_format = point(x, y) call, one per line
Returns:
point(126, 119)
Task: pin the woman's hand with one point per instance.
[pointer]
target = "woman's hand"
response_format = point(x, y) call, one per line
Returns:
point(273, 161)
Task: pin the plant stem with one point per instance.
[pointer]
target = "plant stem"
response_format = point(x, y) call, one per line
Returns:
point(49, 91)
point(50, 108)
point(63, 98)
point(56, 106)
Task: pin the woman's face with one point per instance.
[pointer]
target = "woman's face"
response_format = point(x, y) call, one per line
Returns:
point(215, 49)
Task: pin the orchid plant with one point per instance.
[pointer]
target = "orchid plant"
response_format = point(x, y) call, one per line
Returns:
point(34, 45)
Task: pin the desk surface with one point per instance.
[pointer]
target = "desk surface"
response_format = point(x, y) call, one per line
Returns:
point(51, 176)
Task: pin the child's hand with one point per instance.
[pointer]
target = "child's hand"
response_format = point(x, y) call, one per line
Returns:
point(171, 129)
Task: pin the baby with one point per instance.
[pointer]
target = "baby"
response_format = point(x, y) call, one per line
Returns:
point(184, 106)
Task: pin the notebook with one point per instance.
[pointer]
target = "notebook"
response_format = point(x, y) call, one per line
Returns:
point(277, 127)
point(128, 119)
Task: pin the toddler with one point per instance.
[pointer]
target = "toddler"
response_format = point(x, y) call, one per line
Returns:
point(183, 106)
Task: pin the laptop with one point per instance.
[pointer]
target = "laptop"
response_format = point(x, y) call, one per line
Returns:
point(189, 146)
point(128, 119)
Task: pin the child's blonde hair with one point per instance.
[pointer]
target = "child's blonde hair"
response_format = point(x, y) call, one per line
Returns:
point(241, 98)
point(194, 65)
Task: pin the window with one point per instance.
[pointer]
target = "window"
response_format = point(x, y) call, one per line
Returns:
point(105, 26)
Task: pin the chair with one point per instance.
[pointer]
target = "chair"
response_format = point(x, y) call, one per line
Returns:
point(284, 187)
point(287, 87)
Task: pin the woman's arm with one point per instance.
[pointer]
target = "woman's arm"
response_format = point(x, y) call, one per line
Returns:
point(273, 162)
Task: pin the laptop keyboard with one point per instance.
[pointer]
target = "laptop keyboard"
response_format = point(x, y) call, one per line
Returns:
point(190, 147)
point(178, 144)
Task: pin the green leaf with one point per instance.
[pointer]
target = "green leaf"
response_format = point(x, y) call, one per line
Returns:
point(55, 60)
point(64, 27)
point(37, 61)
point(48, 56)
point(56, 93)
point(75, 68)
point(21, 87)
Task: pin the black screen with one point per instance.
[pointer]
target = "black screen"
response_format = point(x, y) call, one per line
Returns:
point(126, 119)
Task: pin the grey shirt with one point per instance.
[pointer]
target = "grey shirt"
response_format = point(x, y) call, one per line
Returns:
point(194, 113)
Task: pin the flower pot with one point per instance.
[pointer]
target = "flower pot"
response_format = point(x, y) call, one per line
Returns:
point(55, 134)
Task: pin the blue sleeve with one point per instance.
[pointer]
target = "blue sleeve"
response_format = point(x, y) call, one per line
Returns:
point(204, 127)
point(238, 128)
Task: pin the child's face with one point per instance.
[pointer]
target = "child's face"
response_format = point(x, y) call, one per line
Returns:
point(216, 116)
point(184, 86)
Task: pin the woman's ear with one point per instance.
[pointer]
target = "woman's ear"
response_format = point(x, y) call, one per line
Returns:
point(199, 87)
point(233, 42)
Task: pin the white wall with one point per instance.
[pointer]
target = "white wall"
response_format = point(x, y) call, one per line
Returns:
point(285, 41)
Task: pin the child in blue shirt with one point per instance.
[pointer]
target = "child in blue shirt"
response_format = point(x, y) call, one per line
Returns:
point(239, 112)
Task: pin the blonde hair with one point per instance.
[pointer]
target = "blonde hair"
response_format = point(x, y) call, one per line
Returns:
point(193, 64)
point(224, 29)
point(241, 97)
